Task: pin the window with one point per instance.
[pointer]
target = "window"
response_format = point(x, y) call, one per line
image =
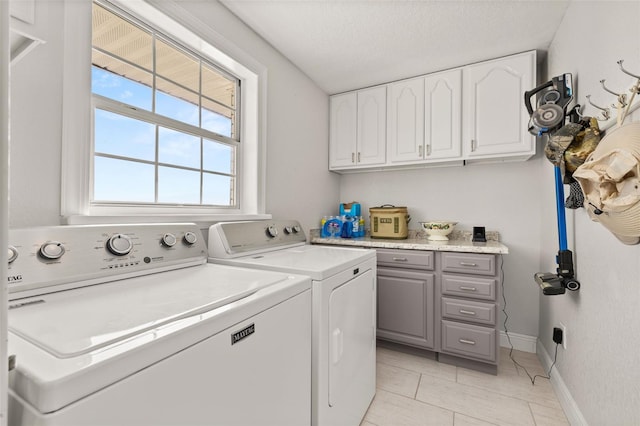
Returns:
point(190, 140)
point(165, 119)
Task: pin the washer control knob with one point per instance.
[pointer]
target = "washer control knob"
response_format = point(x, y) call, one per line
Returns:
point(296, 229)
point(272, 231)
point(12, 254)
point(52, 250)
point(190, 238)
point(119, 244)
point(168, 240)
point(288, 230)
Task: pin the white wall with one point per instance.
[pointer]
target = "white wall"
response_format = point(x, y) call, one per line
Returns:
point(4, 188)
point(298, 184)
point(36, 126)
point(502, 197)
point(599, 366)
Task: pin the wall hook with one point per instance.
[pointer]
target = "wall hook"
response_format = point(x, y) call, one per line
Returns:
point(622, 98)
point(578, 110)
point(625, 71)
point(605, 111)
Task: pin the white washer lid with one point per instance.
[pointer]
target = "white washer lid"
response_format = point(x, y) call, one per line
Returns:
point(318, 262)
point(76, 322)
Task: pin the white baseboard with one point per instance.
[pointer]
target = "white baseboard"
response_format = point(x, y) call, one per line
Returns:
point(521, 342)
point(571, 409)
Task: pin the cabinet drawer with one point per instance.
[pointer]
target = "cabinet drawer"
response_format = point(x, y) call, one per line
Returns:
point(465, 286)
point(469, 340)
point(414, 259)
point(470, 263)
point(467, 310)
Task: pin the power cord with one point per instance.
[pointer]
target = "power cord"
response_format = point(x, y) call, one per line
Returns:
point(506, 331)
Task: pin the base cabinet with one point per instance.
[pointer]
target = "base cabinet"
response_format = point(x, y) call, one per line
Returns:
point(406, 297)
point(469, 290)
point(445, 302)
point(406, 313)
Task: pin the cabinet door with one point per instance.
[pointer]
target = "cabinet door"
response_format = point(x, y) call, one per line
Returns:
point(443, 115)
point(405, 138)
point(342, 138)
point(495, 116)
point(406, 307)
point(372, 126)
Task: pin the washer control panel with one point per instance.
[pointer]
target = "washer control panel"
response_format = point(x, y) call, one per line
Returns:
point(57, 257)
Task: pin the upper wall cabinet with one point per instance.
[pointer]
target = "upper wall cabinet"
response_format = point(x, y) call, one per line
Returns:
point(424, 116)
point(358, 129)
point(472, 113)
point(343, 130)
point(443, 115)
point(405, 134)
point(495, 119)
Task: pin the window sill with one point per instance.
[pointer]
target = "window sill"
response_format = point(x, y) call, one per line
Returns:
point(203, 220)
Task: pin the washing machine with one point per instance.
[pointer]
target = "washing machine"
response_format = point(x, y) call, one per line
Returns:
point(130, 325)
point(343, 308)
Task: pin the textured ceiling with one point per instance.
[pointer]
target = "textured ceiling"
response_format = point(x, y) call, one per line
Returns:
point(349, 44)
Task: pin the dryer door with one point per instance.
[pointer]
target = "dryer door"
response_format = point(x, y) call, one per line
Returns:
point(352, 343)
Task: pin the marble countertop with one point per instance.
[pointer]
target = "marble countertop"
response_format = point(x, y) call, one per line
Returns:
point(458, 241)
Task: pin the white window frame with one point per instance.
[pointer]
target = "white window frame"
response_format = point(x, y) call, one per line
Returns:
point(77, 149)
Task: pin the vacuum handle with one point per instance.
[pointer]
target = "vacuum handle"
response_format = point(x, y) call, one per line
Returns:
point(530, 93)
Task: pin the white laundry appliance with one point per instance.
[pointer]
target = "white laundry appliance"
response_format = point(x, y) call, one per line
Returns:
point(129, 325)
point(343, 314)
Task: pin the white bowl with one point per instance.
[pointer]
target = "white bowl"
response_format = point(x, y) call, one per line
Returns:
point(437, 230)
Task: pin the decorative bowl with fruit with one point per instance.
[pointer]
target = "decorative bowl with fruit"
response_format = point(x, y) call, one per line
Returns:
point(438, 230)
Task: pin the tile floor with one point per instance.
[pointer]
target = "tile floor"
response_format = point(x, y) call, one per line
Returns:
point(412, 390)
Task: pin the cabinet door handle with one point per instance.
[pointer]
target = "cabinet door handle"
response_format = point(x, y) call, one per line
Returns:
point(467, 342)
point(462, 311)
point(465, 288)
point(428, 150)
point(399, 259)
point(358, 157)
point(420, 151)
point(473, 145)
point(468, 264)
point(353, 157)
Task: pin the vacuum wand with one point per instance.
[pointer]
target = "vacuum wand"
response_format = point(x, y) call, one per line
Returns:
point(552, 284)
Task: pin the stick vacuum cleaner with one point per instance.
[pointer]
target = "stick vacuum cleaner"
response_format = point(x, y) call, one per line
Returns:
point(547, 119)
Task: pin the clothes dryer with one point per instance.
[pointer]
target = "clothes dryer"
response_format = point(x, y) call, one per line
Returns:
point(343, 308)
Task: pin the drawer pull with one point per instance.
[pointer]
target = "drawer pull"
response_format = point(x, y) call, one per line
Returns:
point(467, 342)
point(400, 259)
point(467, 288)
point(468, 264)
point(462, 311)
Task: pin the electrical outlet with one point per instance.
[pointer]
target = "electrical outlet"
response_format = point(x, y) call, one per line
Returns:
point(557, 335)
point(564, 335)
